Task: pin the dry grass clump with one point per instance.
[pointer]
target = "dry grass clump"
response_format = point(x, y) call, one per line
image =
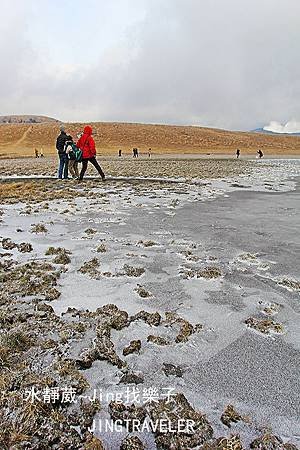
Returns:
point(176, 408)
point(147, 243)
point(62, 255)
point(224, 443)
point(15, 341)
point(158, 340)
point(94, 443)
point(62, 258)
point(90, 267)
point(209, 273)
point(133, 347)
point(38, 228)
point(230, 415)
point(36, 191)
point(186, 329)
point(7, 244)
point(270, 441)
point(142, 292)
point(132, 443)
point(293, 285)
point(271, 308)
point(152, 319)
point(34, 278)
point(248, 257)
point(264, 326)
point(25, 247)
point(90, 231)
point(54, 251)
point(131, 271)
point(188, 254)
point(101, 248)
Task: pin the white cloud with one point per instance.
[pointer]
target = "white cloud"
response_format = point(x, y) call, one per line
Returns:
point(228, 64)
point(290, 127)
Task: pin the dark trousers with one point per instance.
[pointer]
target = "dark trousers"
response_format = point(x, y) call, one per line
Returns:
point(95, 164)
point(63, 165)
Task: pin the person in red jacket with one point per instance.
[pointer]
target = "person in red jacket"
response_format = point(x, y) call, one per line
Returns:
point(87, 145)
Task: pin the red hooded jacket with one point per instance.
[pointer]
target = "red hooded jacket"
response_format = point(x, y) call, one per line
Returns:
point(86, 143)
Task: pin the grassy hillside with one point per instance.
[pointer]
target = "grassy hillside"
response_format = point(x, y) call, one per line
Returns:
point(21, 139)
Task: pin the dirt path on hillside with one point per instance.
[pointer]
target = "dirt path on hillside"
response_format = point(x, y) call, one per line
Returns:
point(23, 137)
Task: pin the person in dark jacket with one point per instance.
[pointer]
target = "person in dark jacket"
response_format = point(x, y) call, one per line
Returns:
point(63, 157)
point(86, 144)
point(260, 154)
point(238, 152)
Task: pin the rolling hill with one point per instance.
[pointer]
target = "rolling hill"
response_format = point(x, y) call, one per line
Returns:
point(20, 139)
point(27, 119)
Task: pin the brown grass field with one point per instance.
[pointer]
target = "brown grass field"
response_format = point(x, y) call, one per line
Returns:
point(21, 139)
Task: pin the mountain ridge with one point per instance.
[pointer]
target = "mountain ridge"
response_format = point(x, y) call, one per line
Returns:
point(26, 118)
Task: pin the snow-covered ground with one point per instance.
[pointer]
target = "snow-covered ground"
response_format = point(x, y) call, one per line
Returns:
point(246, 227)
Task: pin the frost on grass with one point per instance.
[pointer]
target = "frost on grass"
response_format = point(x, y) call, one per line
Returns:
point(264, 326)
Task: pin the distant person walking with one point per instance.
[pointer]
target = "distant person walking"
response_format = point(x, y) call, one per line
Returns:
point(36, 152)
point(260, 154)
point(86, 144)
point(135, 152)
point(149, 152)
point(42, 153)
point(63, 157)
point(120, 153)
point(238, 152)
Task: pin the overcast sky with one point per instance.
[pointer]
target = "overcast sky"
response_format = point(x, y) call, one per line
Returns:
point(224, 63)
